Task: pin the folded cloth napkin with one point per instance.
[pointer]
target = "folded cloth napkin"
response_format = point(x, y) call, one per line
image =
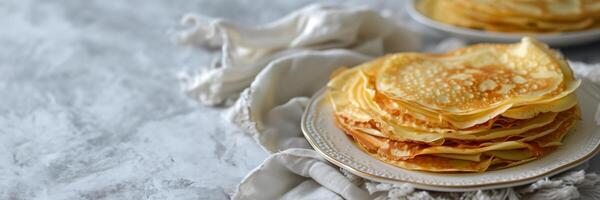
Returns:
point(278, 66)
point(247, 50)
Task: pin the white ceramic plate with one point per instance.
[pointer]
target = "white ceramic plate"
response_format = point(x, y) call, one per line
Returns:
point(553, 39)
point(578, 146)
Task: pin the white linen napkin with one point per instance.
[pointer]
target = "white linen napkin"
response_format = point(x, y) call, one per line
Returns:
point(280, 65)
point(247, 50)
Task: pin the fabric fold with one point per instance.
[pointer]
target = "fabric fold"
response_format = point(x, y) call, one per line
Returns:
point(300, 75)
point(297, 174)
point(245, 51)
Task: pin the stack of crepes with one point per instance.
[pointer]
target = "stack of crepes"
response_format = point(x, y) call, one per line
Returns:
point(515, 15)
point(478, 108)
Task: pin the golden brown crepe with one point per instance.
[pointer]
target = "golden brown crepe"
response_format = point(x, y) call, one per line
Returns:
point(537, 16)
point(482, 107)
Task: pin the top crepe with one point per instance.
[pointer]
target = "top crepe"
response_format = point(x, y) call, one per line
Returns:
point(473, 79)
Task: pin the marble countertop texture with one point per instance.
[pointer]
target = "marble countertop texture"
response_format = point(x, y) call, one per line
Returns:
point(91, 106)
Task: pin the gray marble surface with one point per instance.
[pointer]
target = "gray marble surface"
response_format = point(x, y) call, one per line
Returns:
point(91, 107)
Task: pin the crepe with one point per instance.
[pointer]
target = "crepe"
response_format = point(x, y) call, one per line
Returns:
point(486, 106)
point(538, 16)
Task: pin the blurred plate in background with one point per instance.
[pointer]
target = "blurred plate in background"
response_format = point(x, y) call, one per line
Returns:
point(473, 35)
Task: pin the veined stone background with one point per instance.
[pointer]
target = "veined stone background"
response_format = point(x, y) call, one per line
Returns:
point(91, 108)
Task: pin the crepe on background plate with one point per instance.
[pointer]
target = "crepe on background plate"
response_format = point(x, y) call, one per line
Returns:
point(532, 16)
point(478, 108)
